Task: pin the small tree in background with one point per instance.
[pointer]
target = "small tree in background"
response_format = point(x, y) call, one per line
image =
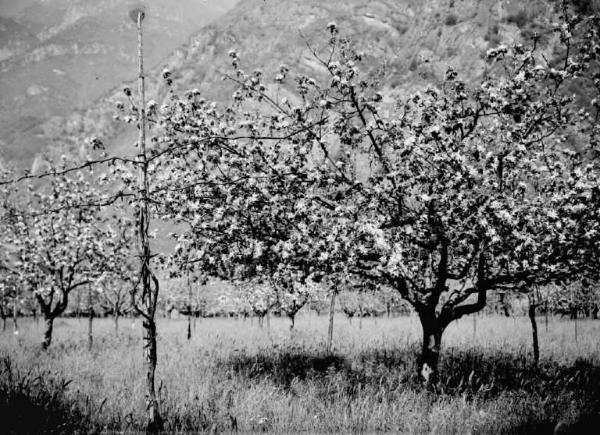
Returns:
point(59, 248)
point(184, 294)
point(9, 283)
point(114, 298)
point(574, 299)
point(392, 302)
point(8, 293)
point(350, 304)
point(261, 298)
point(292, 297)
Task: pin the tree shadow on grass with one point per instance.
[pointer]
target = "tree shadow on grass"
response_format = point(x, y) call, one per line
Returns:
point(36, 403)
point(284, 366)
point(584, 425)
point(486, 376)
point(492, 373)
point(461, 371)
point(473, 375)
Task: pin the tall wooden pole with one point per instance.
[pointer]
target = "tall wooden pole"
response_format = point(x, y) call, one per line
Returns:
point(546, 312)
point(79, 307)
point(16, 310)
point(90, 318)
point(331, 315)
point(189, 316)
point(149, 292)
point(2, 312)
point(576, 314)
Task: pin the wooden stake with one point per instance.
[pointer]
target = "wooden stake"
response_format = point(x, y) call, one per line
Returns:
point(331, 315)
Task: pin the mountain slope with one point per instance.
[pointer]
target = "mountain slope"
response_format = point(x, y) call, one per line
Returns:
point(409, 43)
point(413, 41)
point(60, 55)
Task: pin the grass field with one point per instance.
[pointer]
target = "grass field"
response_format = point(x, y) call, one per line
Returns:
point(235, 376)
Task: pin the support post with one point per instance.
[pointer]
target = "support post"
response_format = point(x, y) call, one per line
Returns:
point(149, 284)
point(331, 315)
